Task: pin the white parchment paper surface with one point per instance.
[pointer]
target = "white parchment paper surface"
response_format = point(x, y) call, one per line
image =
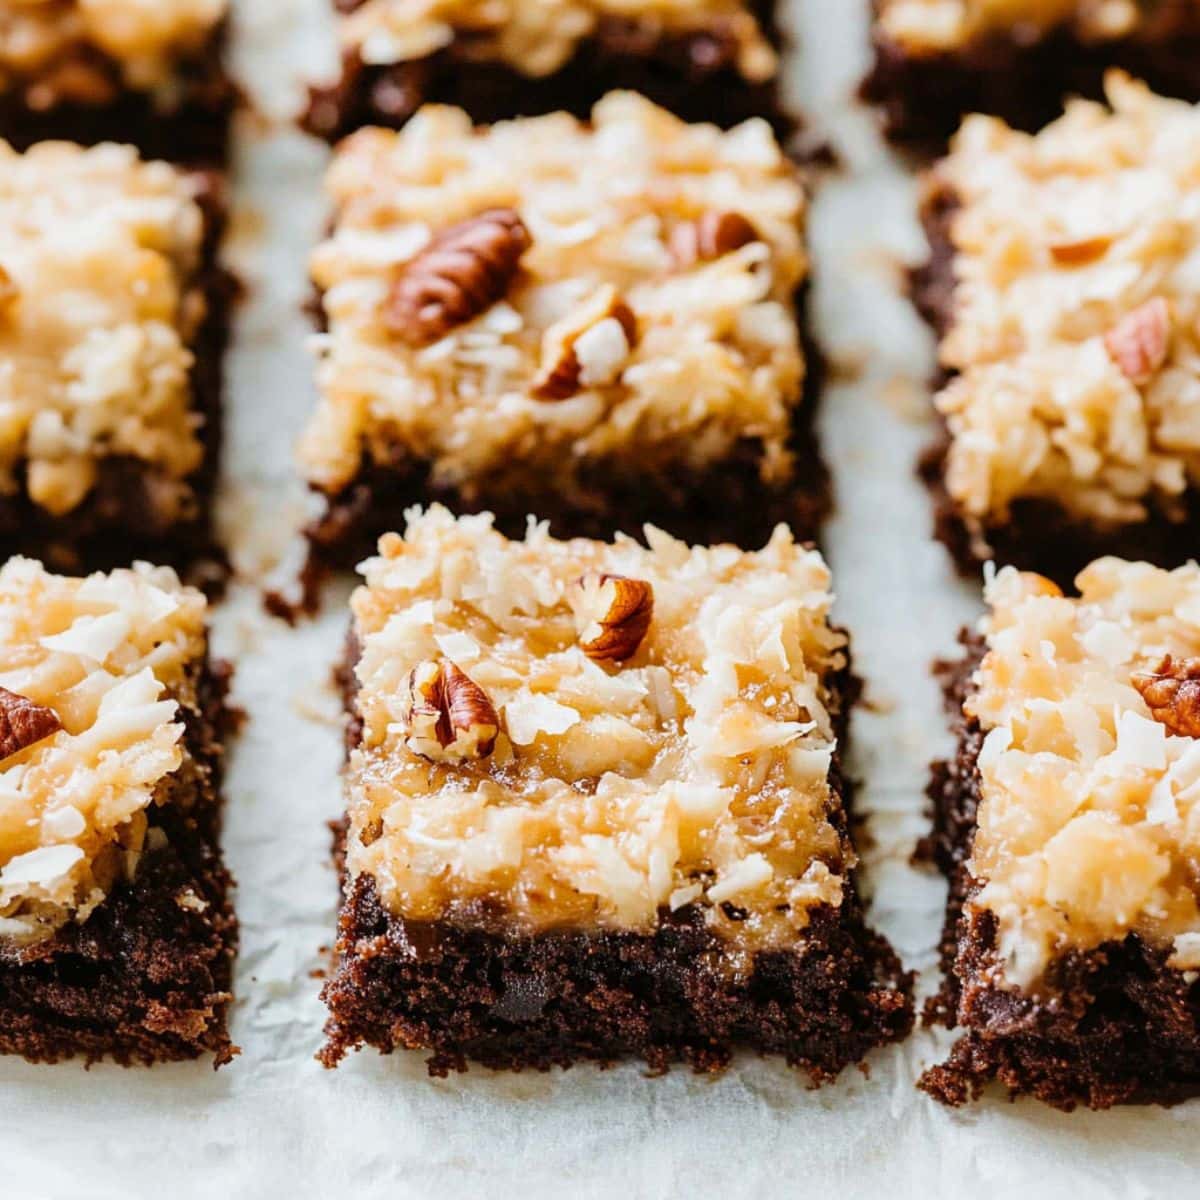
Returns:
point(274, 1123)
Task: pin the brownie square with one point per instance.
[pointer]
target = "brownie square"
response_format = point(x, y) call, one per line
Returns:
point(126, 71)
point(117, 936)
point(1066, 825)
point(594, 323)
point(938, 60)
point(715, 60)
point(1069, 333)
point(114, 315)
point(595, 808)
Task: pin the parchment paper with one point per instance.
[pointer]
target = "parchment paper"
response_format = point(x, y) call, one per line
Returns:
point(274, 1123)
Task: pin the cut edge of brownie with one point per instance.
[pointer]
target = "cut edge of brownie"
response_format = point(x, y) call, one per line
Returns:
point(1122, 1027)
point(194, 131)
point(727, 503)
point(924, 97)
point(517, 1001)
point(116, 523)
point(690, 75)
point(147, 977)
point(1039, 535)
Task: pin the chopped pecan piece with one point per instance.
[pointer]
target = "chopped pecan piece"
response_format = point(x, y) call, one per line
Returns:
point(461, 273)
point(1081, 251)
point(449, 716)
point(1139, 343)
point(588, 347)
point(23, 723)
point(1172, 693)
point(618, 612)
point(712, 236)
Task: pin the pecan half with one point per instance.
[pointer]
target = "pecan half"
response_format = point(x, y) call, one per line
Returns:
point(587, 348)
point(1139, 342)
point(618, 612)
point(1172, 693)
point(23, 723)
point(461, 273)
point(1081, 251)
point(449, 716)
point(712, 236)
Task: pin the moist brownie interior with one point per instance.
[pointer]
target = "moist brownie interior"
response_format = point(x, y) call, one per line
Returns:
point(716, 60)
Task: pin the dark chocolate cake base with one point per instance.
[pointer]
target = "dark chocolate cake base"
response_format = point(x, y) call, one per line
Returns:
point(1119, 1026)
point(472, 989)
point(1039, 535)
point(924, 98)
point(695, 76)
point(193, 129)
point(728, 504)
point(144, 979)
point(120, 521)
point(511, 1001)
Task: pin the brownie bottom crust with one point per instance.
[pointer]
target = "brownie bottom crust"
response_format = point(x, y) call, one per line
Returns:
point(1121, 1026)
point(147, 977)
point(694, 76)
point(1038, 535)
point(513, 1001)
point(728, 503)
point(924, 98)
point(121, 520)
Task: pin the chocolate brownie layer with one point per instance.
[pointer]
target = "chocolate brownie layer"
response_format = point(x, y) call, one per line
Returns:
point(694, 75)
point(482, 992)
point(147, 977)
point(121, 520)
point(1121, 1027)
point(557, 998)
point(923, 97)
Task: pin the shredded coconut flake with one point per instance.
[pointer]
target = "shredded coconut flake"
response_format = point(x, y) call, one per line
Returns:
point(613, 793)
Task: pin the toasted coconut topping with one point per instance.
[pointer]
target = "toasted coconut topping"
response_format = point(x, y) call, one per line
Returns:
point(538, 39)
point(1089, 823)
point(105, 662)
point(1076, 334)
point(576, 340)
point(98, 304)
point(694, 772)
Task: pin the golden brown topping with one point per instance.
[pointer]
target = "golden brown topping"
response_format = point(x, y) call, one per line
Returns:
point(1039, 585)
point(1081, 251)
point(449, 715)
point(1138, 343)
point(10, 293)
point(1172, 693)
point(588, 347)
point(23, 723)
point(713, 236)
point(460, 274)
point(619, 612)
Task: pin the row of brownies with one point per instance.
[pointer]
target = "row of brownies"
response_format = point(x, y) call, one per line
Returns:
point(595, 797)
